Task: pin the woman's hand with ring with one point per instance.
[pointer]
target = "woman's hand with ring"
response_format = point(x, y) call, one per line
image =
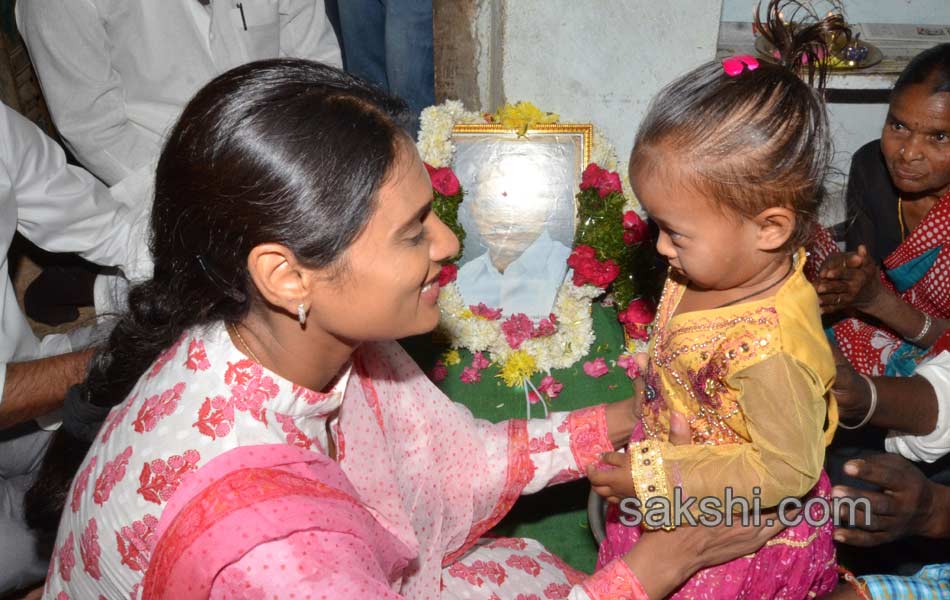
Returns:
point(848, 280)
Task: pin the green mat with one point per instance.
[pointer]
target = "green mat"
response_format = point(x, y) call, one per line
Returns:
point(556, 516)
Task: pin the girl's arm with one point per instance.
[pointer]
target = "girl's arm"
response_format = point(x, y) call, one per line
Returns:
point(784, 407)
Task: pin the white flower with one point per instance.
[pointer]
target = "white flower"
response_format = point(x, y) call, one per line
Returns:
point(435, 133)
point(571, 342)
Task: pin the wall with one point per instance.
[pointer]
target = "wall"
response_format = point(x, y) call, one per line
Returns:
point(590, 61)
point(862, 11)
point(603, 61)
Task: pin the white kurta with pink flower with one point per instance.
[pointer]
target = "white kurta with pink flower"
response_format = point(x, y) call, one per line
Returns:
point(430, 475)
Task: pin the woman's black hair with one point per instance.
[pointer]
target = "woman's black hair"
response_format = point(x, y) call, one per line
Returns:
point(930, 66)
point(757, 139)
point(287, 151)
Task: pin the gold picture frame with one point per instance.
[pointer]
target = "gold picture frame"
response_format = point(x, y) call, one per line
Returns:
point(519, 211)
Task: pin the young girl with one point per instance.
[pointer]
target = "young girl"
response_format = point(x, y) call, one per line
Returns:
point(729, 162)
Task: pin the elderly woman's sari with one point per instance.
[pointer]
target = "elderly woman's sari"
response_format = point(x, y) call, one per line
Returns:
point(919, 272)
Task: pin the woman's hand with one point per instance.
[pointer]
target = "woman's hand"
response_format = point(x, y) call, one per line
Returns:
point(849, 280)
point(908, 503)
point(663, 560)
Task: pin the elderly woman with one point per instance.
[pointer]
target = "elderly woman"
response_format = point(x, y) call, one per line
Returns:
point(899, 200)
point(894, 368)
point(263, 435)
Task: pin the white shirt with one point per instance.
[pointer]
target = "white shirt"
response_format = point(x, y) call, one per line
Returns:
point(60, 208)
point(529, 285)
point(117, 73)
point(936, 444)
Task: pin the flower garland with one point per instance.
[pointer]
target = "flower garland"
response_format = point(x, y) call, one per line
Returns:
point(608, 235)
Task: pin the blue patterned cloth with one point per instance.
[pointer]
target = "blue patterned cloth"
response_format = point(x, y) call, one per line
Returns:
point(930, 583)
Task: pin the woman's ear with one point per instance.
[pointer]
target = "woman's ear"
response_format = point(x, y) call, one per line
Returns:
point(279, 277)
point(776, 226)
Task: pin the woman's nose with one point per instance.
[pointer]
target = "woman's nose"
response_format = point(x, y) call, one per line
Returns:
point(445, 244)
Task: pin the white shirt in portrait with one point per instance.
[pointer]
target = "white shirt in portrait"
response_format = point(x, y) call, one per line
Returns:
point(529, 285)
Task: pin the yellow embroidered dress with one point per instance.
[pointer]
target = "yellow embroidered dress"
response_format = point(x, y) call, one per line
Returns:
point(753, 381)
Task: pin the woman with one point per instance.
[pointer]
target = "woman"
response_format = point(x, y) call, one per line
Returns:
point(892, 375)
point(899, 199)
point(265, 437)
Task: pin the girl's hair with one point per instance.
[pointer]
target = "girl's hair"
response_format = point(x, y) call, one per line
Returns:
point(287, 151)
point(930, 66)
point(758, 139)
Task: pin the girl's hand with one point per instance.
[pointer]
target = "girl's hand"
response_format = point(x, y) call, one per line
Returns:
point(848, 280)
point(616, 483)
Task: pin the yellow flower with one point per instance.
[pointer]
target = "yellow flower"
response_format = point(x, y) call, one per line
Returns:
point(452, 357)
point(466, 313)
point(523, 116)
point(519, 366)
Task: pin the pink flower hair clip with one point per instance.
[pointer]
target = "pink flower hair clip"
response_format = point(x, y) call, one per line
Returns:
point(734, 65)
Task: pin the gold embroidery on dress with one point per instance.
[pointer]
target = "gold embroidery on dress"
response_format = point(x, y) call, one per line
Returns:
point(692, 357)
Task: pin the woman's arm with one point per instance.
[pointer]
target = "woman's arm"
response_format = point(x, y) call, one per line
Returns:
point(662, 560)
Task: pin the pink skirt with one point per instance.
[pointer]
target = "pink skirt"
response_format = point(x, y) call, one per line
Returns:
point(797, 563)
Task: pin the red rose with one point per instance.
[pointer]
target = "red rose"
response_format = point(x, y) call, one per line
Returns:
point(587, 269)
point(444, 180)
point(634, 228)
point(636, 318)
point(602, 180)
point(448, 274)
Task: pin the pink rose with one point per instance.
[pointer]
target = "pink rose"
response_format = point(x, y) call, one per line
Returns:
point(489, 314)
point(629, 364)
point(546, 327)
point(550, 386)
point(439, 372)
point(604, 181)
point(444, 180)
point(596, 368)
point(517, 329)
point(635, 230)
point(448, 274)
point(470, 375)
point(480, 362)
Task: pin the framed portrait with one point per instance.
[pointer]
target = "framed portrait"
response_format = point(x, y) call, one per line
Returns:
point(519, 211)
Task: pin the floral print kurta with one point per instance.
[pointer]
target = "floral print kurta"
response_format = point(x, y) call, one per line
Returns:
point(433, 479)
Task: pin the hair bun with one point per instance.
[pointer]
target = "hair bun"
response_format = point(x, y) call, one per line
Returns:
point(804, 41)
